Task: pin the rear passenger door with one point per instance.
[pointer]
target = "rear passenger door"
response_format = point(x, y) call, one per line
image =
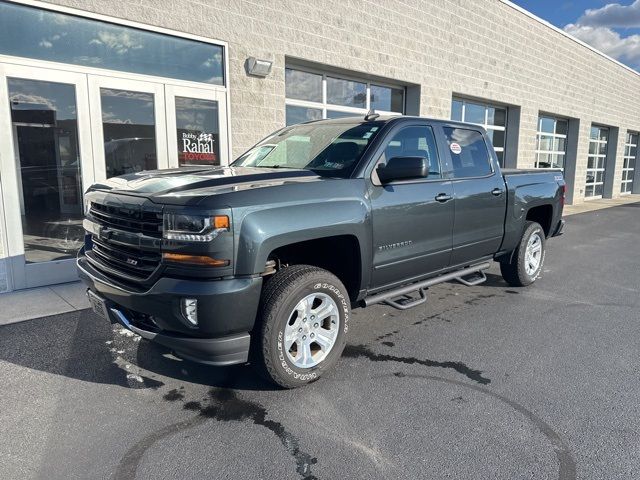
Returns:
point(412, 220)
point(480, 195)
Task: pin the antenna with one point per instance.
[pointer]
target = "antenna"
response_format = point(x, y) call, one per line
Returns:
point(371, 115)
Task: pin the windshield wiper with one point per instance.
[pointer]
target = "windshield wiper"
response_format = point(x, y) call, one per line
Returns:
point(280, 166)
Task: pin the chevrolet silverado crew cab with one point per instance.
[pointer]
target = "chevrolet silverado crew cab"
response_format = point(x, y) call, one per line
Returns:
point(262, 261)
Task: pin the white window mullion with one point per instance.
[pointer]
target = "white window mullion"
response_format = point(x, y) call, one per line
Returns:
point(368, 99)
point(324, 96)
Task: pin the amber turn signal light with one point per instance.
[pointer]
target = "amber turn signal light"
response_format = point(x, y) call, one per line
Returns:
point(221, 221)
point(203, 260)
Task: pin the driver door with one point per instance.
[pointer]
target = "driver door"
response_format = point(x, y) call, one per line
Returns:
point(412, 220)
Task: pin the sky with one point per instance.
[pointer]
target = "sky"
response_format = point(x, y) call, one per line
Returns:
point(611, 27)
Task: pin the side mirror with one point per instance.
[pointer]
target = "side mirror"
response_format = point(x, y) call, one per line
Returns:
point(403, 168)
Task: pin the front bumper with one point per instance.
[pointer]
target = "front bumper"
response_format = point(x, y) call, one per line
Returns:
point(213, 351)
point(227, 310)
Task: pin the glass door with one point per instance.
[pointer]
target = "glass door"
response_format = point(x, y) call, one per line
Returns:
point(44, 114)
point(128, 126)
point(197, 126)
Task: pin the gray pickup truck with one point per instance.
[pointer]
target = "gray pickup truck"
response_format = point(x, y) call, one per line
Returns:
point(262, 261)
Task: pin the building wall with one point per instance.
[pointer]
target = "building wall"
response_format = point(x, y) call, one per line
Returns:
point(485, 49)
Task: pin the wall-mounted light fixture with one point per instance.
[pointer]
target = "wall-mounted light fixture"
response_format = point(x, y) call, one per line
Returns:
point(257, 67)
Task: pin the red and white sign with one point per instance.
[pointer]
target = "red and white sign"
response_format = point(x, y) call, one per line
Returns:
point(197, 148)
point(456, 148)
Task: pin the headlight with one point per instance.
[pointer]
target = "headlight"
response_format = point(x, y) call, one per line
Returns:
point(194, 228)
point(87, 205)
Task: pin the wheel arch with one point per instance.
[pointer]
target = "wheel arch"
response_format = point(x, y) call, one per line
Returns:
point(339, 254)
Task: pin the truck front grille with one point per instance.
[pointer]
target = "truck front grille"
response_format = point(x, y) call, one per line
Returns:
point(134, 263)
point(126, 262)
point(130, 219)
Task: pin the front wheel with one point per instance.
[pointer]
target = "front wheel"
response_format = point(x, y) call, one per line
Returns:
point(305, 319)
point(527, 260)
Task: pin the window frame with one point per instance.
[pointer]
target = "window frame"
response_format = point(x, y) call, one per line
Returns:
point(486, 105)
point(378, 153)
point(324, 106)
point(391, 135)
point(86, 69)
point(490, 157)
point(626, 160)
point(596, 156)
point(539, 133)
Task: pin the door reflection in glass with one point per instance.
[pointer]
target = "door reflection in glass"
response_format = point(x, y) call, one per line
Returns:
point(45, 133)
point(198, 131)
point(128, 123)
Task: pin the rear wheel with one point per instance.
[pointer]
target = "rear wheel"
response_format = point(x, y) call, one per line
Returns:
point(305, 318)
point(527, 260)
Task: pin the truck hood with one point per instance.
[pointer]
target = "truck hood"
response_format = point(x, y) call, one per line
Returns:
point(188, 184)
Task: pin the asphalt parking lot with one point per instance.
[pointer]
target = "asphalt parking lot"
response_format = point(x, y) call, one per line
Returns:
point(480, 383)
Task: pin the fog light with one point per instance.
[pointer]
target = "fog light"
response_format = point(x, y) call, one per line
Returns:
point(190, 310)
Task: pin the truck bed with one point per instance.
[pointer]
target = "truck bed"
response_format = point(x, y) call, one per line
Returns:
point(520, 171)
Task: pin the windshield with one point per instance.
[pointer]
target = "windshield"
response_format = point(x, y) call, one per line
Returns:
point(331, 150)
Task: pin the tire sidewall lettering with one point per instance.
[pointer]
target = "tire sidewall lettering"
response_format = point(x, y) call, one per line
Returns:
point(282, 360)
point(540, 233)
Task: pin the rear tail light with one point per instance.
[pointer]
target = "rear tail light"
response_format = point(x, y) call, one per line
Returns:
point(563, 190)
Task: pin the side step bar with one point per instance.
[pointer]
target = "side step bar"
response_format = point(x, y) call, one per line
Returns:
point(389, 296)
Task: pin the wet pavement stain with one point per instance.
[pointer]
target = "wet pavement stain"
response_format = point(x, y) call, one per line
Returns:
point(228, 407)
point(388, 344)
point(355, 351)
point(225, 406)
point(192, 406)
point(173, 395)
point(387, 335)
point(479, 298)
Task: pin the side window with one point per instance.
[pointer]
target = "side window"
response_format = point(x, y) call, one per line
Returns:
point(469, 153)
point(415, 141)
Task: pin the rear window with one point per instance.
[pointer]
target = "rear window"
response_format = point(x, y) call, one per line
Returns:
point(469, 153)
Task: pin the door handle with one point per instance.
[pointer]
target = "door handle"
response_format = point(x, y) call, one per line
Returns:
point(443, 197)
point(496, 192)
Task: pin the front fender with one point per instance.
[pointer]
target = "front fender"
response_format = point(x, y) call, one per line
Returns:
point(263, 230)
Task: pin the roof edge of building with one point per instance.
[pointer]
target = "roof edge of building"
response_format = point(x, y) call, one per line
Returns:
point(569, 36)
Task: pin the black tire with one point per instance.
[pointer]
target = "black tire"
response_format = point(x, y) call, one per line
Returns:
point(281, 294)
point(515, 272)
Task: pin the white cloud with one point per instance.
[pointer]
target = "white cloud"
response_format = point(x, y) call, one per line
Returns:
point(121, 43)
point(612, 15)
point(45, 43)
point(31, 100)
point(608, 41)
point(596, 27)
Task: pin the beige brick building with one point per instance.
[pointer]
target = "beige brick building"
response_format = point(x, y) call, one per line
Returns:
point(91, 89)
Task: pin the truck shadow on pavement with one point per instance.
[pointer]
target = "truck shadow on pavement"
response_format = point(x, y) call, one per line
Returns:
point(81, 346)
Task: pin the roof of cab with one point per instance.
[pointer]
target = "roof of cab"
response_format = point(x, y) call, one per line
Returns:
point(357, 119)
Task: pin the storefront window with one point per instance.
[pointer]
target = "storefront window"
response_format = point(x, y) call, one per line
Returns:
point(387, 98)
point(313, 96)
point(128, 123)
point(198, 131)
point(45, 128)
point(31, 32)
